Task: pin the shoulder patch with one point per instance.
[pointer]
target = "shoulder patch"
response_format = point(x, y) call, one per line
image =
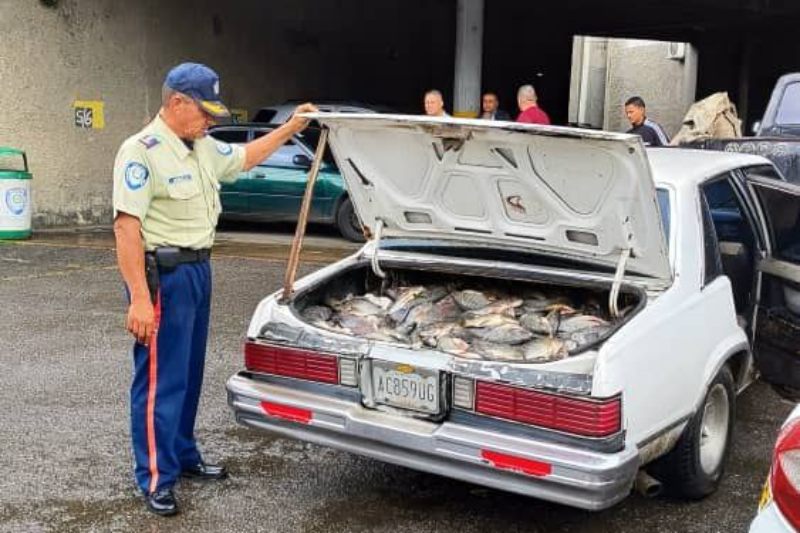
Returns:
point(149, 141)
point(224, 148)
point(136, 175)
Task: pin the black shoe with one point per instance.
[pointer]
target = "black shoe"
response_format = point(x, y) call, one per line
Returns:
point(162, 502)
point(205, 472)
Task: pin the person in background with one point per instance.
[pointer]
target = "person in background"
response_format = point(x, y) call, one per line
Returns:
point(490, 106)
point(434, 104)
point(530, 112)
point(650, 131)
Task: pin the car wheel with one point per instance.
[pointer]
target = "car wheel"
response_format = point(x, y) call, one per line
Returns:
point(347, 222)
point(695, 466)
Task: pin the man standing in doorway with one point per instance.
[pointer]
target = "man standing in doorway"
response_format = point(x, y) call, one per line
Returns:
point(490, 106)
point(166, 205)
point(650, 131)
point(530, 112)
point(434, 104)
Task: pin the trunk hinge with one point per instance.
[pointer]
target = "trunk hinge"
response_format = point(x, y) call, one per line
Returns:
point(613, 296)
point(376, 267)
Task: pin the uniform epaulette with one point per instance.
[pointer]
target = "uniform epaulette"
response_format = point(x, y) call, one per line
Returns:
point(149, 141)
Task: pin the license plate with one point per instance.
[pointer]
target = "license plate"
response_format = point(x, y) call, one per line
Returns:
point(405, 386)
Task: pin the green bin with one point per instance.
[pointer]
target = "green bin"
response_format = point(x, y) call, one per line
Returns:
point(15, 194)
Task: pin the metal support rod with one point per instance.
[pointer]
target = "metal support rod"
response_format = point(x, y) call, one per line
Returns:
point(300, 231)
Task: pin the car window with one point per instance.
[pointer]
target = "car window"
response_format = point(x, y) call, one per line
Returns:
point(283, 156)
point(763, 171)
point(712, 260)
point(230, 136)
point(783, 215)
point(789, 108)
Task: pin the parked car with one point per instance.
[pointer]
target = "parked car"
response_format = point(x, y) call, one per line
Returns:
point(541, 310)
point(777, 134)
point(273, 190)
point(779, 509)
point(280, 113)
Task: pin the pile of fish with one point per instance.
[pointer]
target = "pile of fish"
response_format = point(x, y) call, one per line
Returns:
point(489, 325)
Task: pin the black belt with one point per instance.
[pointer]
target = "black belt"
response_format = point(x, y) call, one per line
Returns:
point(169, 257)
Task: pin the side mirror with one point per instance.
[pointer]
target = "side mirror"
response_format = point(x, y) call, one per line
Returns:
point(301, 160)
point(756, 127)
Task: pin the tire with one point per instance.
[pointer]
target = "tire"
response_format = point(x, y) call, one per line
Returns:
point(347, 222)
point(694, 468)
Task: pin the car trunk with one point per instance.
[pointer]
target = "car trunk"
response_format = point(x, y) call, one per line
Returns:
point(471, 314)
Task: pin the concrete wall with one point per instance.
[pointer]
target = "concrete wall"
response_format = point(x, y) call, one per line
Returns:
point(641, 68)
point(265, 52)
point(606, 72)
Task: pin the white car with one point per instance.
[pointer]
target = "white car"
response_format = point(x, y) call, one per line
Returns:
point(779, 509)
point(679, 253)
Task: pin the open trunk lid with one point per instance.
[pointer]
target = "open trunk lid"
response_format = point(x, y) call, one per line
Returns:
point(565, 192)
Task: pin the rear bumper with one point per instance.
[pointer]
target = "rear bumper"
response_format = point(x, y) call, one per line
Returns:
point(579, 478)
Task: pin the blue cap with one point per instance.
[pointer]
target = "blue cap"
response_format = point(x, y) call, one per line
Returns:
point(199, 82)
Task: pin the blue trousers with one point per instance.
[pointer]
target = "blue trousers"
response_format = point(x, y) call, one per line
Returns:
point(168, 376)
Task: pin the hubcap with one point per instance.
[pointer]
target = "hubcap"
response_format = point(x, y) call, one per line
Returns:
point(714, 428)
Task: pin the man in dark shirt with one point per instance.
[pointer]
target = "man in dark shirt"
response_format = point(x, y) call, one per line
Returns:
point(490, 105)
point(650, 131)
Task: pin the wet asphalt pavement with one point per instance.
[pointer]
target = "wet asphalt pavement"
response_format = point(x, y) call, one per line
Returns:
point(64, 452)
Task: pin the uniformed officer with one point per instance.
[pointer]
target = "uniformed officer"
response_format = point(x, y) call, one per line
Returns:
point(166, 205)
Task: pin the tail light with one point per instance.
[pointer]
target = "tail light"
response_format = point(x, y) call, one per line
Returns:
point(786, 473)
point(585, 417)
point(291, 362)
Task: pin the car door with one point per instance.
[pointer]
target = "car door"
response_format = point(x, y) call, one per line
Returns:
point(279, 182)
point(777, 330)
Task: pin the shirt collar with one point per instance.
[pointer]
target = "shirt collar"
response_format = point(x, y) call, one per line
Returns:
point(170, 138)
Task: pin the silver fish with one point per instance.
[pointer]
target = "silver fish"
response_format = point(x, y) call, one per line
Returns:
point(538, 302)
point(406, 299)
point(470, 300)
point(359, 325)
point(537, 323)
point(544, 350)
point(506, 306)
point(430, 333)
point(579, 322)
point(503, 334)
point(452, 345)
point(317, 313)
point(587, 336)
point(497, 352)
point(359, 306)
point(488, 321)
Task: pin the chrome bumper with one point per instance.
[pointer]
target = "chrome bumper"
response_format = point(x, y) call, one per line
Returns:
point(579, 478)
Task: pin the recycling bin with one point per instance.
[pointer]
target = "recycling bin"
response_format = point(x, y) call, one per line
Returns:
point(15, 194)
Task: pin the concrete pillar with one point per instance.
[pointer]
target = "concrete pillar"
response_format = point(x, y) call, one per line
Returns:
point(469, 53)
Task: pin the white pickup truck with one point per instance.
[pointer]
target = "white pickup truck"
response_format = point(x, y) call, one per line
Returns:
point(686, 257)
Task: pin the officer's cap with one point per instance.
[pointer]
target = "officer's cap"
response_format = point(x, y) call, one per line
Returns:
point(199, 82)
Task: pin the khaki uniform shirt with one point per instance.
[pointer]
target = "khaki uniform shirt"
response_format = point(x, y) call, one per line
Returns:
point(172, 190)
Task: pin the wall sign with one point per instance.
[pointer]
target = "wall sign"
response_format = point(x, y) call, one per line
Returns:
point(89, 114)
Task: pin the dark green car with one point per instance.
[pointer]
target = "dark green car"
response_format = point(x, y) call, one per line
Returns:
point(273, 190)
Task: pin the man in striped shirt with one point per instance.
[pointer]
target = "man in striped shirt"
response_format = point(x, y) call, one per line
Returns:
point(650, 131)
